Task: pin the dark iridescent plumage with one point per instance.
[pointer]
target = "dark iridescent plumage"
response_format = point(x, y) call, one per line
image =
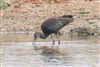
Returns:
point(53, 25)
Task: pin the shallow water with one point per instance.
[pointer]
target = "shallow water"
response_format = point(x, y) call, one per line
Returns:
point(73, 51)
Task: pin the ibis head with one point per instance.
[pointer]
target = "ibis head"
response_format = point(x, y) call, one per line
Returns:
point(40, 35)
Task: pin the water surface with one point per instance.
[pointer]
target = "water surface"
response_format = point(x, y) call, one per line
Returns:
point(17, 51)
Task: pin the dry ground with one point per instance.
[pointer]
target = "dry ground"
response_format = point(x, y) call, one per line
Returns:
point(26, 16)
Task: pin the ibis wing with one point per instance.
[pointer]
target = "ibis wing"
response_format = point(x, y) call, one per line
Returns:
point(53, 25)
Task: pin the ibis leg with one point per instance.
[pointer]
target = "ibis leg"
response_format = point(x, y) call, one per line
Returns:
point(58, 39)
point(33, 43)
point(52, 40)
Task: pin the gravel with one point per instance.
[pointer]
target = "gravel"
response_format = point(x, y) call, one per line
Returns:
point(27, 17)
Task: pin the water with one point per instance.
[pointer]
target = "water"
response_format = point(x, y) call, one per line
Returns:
point(73, 51)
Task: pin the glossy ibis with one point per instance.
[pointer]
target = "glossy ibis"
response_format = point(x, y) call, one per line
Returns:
point(53, 25)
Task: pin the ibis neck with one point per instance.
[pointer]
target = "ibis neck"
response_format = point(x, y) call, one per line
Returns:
point(44, 36)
